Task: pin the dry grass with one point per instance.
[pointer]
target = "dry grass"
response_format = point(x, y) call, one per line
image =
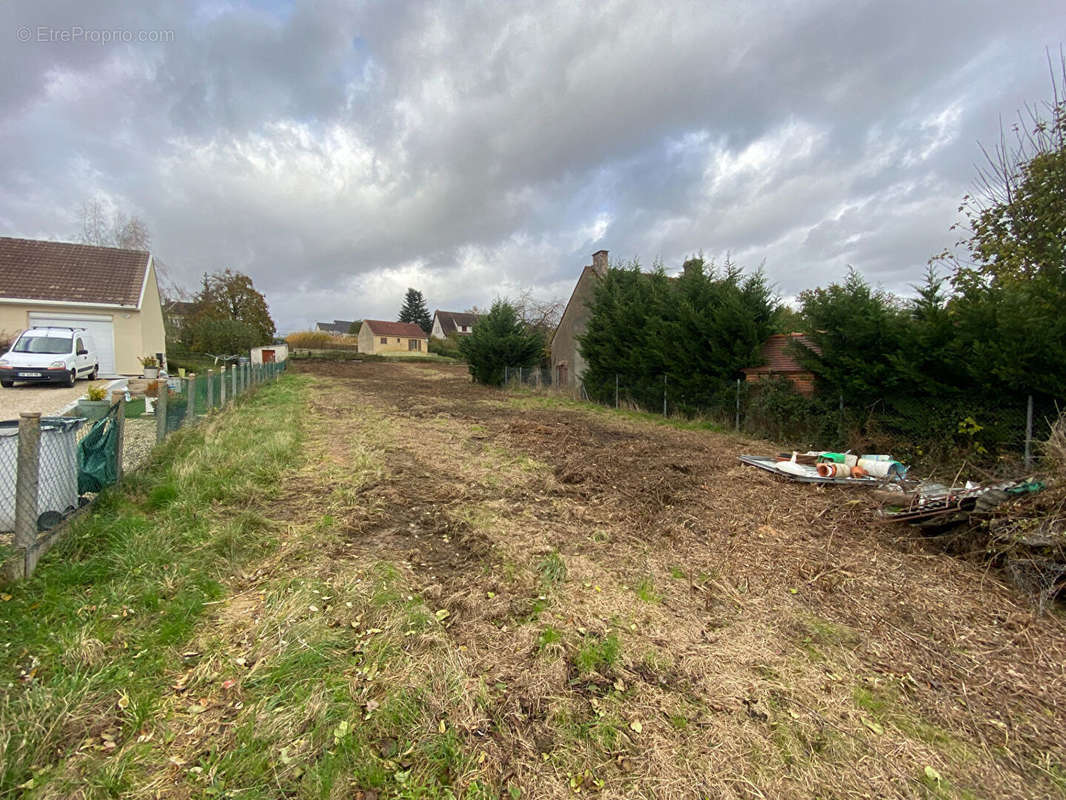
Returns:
point(321, 340)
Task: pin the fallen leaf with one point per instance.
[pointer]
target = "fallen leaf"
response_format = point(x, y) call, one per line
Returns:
point(932, 774)
point(229, 684)
point(635, 726)
point(5, 598)
point(123, 701)
point(196, 708)
point(442, 727)
point(442, 614)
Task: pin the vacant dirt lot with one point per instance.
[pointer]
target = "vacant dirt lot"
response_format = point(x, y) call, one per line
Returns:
point(453, 591)
point(659, 620)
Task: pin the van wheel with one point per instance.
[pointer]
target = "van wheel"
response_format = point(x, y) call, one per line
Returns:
point(73, 376)
point(95, 372)
point(7, 384)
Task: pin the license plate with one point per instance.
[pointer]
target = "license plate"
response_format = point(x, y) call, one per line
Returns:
point(29, 374)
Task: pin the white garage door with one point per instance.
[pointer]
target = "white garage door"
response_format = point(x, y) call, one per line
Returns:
point(98, 326)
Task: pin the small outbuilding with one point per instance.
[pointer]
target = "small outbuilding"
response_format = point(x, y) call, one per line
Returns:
point(270, 354)
point(377, 337)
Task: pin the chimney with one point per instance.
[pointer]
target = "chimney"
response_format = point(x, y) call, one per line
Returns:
point(599, 263)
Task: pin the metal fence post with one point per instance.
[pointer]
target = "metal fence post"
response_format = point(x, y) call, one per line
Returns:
point(26, 483)
point(1029, 433)
point(738, 404)
point(161, 411)
point(233, 381)
point(222, 387)
point(120, 433)
point(190, 406)
point(210, 389)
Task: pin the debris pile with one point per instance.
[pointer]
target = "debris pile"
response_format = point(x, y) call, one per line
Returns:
point(830, 467)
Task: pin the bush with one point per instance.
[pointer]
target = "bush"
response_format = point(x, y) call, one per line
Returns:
point(500, 340)
point(221, 335)
point(446, 347)
point(777, 410)
point(321, 340)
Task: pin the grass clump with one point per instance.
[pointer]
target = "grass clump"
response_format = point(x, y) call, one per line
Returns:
point(97, 632)
point(598, 653)
point(552, 569)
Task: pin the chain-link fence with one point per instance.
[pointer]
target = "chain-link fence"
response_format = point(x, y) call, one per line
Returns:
point(52, 466)
point(774, 408)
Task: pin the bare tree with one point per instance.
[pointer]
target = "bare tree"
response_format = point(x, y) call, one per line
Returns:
point(541, 315)
point(100, 225)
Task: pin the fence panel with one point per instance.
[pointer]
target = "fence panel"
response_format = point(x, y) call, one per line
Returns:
point(42, 459)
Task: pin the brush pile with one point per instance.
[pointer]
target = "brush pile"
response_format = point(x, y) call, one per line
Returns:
point(1027, 536)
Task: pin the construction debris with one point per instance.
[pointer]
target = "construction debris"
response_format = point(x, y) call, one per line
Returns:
point(835, 468)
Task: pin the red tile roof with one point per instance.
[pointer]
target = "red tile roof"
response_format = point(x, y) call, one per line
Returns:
point(776, 354)
point(408, 329)
point(71, 273)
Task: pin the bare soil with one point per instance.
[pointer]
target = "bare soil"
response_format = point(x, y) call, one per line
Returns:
point(775, 641)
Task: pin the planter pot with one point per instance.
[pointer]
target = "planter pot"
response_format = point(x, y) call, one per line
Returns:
point(93, 409)
point(151, 373)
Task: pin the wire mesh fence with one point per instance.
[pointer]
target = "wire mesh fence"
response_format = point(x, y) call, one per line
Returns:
point(52, 466)
point(774, 408)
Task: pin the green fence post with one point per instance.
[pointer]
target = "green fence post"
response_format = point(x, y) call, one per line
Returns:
point(161, 411)
point(190, 405)
point(233, 380)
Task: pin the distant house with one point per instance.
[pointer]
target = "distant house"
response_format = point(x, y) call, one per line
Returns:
point(110, 292)
point(567, 363)
point(177, 314)
point(778, 360)
point(376, 336)
point(339, 327)
point(446, 323)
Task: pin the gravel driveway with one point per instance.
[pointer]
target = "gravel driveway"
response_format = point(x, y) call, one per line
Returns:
point(46, 398)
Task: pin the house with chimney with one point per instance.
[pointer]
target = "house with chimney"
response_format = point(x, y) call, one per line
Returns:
point(566, 362)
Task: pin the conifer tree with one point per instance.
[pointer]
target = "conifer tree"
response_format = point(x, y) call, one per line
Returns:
point(414, 310)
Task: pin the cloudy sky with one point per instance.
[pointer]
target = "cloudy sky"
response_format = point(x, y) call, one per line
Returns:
point(340, 152)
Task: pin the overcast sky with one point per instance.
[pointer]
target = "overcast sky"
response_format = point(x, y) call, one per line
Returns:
point(341, 152)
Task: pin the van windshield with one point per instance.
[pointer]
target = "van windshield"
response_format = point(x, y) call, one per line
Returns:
point(49, 345)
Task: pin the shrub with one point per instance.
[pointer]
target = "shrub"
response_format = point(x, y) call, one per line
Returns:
point(222, 335)
point(446, 347)
point(320, 340)
point(500, 340)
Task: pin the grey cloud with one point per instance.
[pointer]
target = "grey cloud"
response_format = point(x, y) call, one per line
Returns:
point(335, 151)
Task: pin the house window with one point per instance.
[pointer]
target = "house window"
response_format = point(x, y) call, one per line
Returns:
point(384, 339)
point(414, 344)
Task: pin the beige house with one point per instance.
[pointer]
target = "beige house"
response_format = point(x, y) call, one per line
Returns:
point(110, 292)
point(379, 337)
point(567, 363)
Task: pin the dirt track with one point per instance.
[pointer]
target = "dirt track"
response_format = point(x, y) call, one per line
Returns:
point(773, 640)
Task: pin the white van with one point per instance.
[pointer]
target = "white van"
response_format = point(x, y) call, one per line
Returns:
point(50, 355)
